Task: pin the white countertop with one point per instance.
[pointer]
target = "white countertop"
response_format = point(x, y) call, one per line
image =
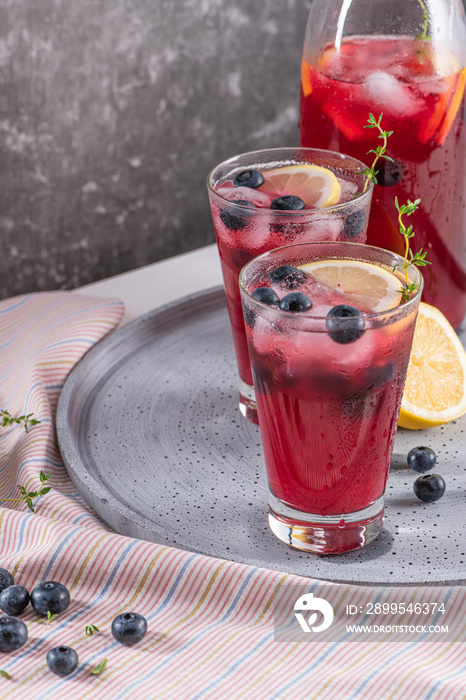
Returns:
point(154, 285)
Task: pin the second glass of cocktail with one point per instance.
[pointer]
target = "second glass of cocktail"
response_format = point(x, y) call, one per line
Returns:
point(266, 199)
point(329, 360)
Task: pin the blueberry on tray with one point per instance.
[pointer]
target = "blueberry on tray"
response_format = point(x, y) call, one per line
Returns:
point(421, 459)
point(429, 487)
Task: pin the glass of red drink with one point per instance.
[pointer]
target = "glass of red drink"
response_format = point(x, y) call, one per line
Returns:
point(407, 61)
point(246, 224)
point(329, 379)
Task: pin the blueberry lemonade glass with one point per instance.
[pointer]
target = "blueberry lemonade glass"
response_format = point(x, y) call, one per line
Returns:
point(329, 361)
point(266, 199)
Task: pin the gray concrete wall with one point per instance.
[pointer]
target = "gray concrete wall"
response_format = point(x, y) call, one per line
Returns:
point(111, 114)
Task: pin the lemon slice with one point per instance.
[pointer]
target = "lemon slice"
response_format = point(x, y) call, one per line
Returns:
point(369, 285)
point(435, 389)
point(317, 187)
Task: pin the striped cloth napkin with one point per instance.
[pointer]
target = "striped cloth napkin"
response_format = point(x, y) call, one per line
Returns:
point(210, 622)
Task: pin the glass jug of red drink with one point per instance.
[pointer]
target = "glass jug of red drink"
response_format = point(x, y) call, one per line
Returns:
point(407, 61)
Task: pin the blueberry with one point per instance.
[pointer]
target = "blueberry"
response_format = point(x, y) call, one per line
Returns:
point(355, 405)
point(14, 599)
point(288, 202)
point(50, 597)
point(62, 660)
point(239, 258)
point(287, 276)
point(295, 301)
point(354, 223)
point(6, 579)
point(390, 173)
point(249, 316)
point(234, 221)
point(345, 324)
point(429, 487)
point(248, 178)
point(129, 628)
point(266, 295)
point(287, 232)
point(421, 459)
point(13, 633)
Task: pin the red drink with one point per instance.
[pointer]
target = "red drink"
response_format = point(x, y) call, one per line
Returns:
point(400, 77)
point(246, 225)
point(328, 396)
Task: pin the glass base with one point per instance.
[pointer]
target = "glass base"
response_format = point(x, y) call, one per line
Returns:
point(325, 534)
point(247, 402)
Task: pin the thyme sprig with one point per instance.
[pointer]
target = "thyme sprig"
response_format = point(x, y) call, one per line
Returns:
point(7, 419)
point(50, 618)
point(26, 420)
point(27, 496)
point(379, 151)
point(90, 629)
point(410, 258)
point(424, 21)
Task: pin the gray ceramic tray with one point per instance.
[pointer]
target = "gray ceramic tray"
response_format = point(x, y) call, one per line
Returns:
point(150, 432)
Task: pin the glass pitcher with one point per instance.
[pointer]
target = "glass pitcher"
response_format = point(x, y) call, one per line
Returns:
point(405, 60)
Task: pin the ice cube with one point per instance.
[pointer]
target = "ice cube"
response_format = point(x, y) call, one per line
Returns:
point(390, 94)
point(263, 335)
point(435, 85)
point(348, 189)
point(319, 353)
point(248, 194)
point(327, 228)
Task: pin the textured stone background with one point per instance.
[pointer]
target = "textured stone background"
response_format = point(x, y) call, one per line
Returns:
point(111, 114)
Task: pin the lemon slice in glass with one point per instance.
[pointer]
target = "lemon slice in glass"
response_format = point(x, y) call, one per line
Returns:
point(369, 285)
point(317, 187)
point(435, 389)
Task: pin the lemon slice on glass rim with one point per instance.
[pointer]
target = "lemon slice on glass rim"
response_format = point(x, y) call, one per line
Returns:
point(369, 285)
point(435, 388)
point(317, 186)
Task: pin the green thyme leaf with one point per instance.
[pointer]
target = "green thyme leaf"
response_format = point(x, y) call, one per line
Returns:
point(379, 151)
point(50, 618)
point(417, 259)
point(90, 629)
point(27, 421)
point(99, 668)
point(5, 674)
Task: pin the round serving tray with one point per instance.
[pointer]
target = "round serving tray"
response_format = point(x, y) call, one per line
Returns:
point(150, 432)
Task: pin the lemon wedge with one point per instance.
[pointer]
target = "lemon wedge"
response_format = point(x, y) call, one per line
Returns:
point(435, 389)
point(317, 187)
point(369, 285)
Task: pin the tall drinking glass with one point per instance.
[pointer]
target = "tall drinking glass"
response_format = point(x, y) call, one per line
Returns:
point(329, 375)
point(247, 224)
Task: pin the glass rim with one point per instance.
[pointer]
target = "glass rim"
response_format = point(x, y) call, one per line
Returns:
point(404, 307)
point(292, 149)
